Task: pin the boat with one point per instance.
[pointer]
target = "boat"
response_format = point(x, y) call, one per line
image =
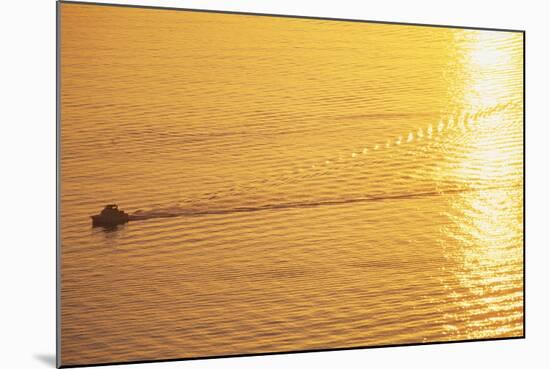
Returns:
point(110, 216)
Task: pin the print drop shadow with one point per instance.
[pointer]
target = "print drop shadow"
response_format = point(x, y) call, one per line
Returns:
point(48, 359)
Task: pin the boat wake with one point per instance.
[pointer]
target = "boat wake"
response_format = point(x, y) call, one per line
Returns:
point(177, 211)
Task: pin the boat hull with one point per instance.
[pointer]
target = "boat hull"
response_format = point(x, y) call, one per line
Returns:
point(102, 221)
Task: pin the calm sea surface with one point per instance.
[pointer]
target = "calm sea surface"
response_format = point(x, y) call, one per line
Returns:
point(303, 184)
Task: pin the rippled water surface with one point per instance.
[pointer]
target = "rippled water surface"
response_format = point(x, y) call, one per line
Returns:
point(299, 184)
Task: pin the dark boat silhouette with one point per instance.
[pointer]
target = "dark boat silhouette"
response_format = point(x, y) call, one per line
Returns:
point(110, 216)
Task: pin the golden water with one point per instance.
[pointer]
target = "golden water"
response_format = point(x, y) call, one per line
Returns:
point(306, 184)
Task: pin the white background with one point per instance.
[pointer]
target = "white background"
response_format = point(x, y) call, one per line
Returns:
point(27, 183)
